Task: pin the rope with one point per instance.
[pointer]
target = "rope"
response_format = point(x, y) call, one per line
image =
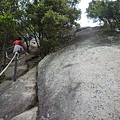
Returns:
point(7, 56)
point(19, 57)
point(8, 64)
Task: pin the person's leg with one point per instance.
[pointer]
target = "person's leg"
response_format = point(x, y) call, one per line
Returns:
point(16, 48)
point(23, 51)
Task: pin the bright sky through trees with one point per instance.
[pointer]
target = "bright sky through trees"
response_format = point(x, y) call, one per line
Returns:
point(84, 22)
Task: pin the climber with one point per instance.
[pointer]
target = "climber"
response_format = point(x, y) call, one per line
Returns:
point(19, 46)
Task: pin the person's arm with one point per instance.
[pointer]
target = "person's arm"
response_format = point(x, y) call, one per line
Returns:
point(14, 43)
point(21, 43)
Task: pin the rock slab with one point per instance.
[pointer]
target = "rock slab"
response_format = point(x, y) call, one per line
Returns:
point(75, 85)
point(28, 115)
point(17, 97)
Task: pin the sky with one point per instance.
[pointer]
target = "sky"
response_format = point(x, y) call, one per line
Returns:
point(84, 22)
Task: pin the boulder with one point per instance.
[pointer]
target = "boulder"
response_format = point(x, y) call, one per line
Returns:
point(4, 86)
point(28, 115)
point(79, 83)
point(22, 68)
point(19, 96)
point(33, 46)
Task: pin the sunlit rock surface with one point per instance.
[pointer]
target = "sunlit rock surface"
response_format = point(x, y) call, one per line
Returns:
point(17, 97)
point(81, 81)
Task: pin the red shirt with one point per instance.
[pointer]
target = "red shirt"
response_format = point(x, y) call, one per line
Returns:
point(19, 42)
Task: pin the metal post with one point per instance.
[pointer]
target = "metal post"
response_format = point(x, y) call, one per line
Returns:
point(4, 64)
point(15, 67)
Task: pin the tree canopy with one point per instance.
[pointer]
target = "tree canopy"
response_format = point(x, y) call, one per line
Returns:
point(46, 20)
point(105, 11)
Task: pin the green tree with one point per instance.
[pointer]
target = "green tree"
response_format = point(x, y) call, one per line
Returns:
point(105, 11)
point(6, 28)
point(7, 21)
point(11, 20)
point(50, 19)
point(47, 20)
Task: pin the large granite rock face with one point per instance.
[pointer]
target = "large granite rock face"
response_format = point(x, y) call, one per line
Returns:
point(17, 97)
point(80, 82)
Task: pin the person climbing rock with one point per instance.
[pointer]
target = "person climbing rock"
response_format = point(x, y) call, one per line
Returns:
point(19, 46)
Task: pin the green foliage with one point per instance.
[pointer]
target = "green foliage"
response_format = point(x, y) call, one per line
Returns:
point(48, 46)
point(53, 22)
point(50, 19)
point(44, 19)
point(6, 26)
point(105, 11)
point(7, 22)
